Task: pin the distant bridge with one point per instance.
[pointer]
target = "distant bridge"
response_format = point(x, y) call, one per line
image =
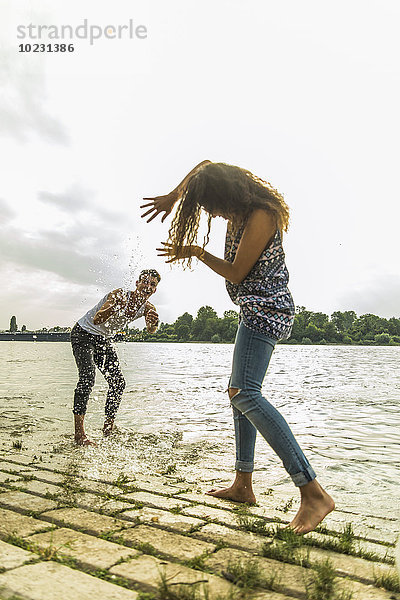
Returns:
point(32, 336)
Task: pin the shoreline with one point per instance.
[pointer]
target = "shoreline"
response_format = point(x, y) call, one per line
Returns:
point(65, 337)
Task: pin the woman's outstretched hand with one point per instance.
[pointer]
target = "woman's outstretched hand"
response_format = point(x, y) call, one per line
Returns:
point(159, 204)
point(173, 253)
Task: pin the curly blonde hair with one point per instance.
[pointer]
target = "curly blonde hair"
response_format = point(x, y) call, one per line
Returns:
point(228, 191)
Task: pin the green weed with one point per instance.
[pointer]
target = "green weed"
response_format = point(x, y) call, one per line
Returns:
point(111, 578)
point(345, 543)
point(256, 525)
point(179, 591)
point(287, 506)
point(169, 470)
point(121, 480)
point(197, 563)
point(27, 477)
point(176, 510)
point(321, 583)
point(268, 492)
point(147, 548)
point(389, 581)
point(287, 546)
point(248, 575)
point(146, 596)
point(123, 483)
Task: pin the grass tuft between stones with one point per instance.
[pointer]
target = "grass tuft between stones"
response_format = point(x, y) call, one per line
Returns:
point(321, 583)
point(389, 581)
point(248, 575)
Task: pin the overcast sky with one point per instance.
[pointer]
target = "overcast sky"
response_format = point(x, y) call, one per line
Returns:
point(304, 94)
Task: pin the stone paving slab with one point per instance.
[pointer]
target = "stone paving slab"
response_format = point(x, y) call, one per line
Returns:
point(14, 468)
point(23, 502)
point(343, 563)
point(369, 592)
point(113, 506)
point(39, 487)
point(88, 550)
point(267, 595)
point(8, 477)
point(178, 522)
point(205, 499)
point(84, 520)
point(52, 581)
point(241, 540)
point(57, 463)
point(18, 457)
point(166, 543)
point(288, 577)
point(147, 570)
point(155, 500)
point(379, 549)
point(13, 556)
point(13, 523)
point(97, 487)
point(92, 502)
point(291, 578)
point(274, 504)
point(157, 484)
point(49, 476)
point(382, 535)
point(269, 514)
point(209, 512)
point(347, 565)
point(374, 529)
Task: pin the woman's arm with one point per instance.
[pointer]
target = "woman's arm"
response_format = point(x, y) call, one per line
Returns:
point(115, 301)
point(257, 234)
point(180, 187)
point(166, 203)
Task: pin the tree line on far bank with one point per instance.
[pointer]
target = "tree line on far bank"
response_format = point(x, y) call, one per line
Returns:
point(309, 328)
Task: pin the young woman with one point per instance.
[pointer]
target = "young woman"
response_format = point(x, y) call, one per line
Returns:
point(256, 279)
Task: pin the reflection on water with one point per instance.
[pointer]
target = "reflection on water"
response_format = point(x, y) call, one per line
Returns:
point(341, 402)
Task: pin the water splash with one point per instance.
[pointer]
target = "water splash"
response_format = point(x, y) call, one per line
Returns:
point(120, 267)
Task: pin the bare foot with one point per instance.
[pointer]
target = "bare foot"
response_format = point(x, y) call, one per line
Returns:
point(316, 503)
point(108, 427)
point(237, 494)
point(84, 441)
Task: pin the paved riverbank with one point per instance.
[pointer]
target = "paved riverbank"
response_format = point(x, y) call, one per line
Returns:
point(64, 536)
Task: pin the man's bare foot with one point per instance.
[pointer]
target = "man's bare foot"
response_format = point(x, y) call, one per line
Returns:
point(237, 494)
point(84, 441)
point(81, 438)
point(316, 503)
point(108, 427)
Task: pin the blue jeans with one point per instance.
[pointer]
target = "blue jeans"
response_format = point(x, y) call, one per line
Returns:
point(252, 412)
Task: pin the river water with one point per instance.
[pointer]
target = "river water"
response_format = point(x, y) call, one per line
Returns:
point(342, 403)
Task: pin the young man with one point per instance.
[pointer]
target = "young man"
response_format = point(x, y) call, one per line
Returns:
point(91, 345)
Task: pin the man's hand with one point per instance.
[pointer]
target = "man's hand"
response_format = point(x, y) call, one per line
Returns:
point(151, 317)
point(115, 301)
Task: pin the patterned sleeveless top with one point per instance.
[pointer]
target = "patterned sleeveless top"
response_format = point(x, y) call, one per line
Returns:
point(266, 304)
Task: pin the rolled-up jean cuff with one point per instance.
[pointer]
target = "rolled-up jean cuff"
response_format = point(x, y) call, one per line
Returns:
point(245, 467)
point(300, 479)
